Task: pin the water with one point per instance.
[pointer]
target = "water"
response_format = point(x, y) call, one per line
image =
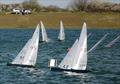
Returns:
point(104, 63)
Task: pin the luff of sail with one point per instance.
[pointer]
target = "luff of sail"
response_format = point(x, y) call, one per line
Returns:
point(61, 35)
point(28, 54)
point(76, 58)
point(43, 32)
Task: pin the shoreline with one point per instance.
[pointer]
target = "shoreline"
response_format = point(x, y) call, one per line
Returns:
point(70, 20)
point(64, 28)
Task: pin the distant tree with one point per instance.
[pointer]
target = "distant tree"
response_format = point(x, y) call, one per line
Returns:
point(32, 4)
point(79, 5)
point(52, 8)
point(94, 6)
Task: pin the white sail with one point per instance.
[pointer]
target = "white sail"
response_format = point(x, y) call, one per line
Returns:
point(43, 32)
point(80, 60)
point(98, 43)
point(112, 42)
point(61, 35)
point(28, 54)
point(67, 61)
point(77, 56)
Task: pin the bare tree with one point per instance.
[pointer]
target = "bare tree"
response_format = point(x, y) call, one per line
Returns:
point(79, 5)
point(32, 4)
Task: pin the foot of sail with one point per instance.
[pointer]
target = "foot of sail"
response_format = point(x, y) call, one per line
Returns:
point(30, 66)
point(69, 70)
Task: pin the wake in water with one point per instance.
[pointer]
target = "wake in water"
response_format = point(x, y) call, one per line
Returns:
point(74, 74)
point(3, 64)
point(49, 40)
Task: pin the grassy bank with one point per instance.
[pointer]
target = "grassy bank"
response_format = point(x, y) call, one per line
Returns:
point(71, 20)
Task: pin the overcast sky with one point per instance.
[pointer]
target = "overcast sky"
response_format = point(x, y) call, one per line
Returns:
point(59, 3)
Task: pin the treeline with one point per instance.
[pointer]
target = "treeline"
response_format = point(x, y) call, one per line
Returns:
point(75, 6)
point(94, 6)
point(37, 7)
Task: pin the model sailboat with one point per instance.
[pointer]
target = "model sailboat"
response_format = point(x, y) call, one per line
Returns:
point(28, 55)
point(61, 35)
point(76, 58)
point(91, 49)
point(113, 42)
point(43, 32)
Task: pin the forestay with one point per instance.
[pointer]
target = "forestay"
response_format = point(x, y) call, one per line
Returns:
point(28, 54)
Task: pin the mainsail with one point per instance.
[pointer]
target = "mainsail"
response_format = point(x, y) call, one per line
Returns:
point(98, 43)
point(76, 58)
point(28, 54)
point(43, 32)
point(61, 35)
point(112, 42)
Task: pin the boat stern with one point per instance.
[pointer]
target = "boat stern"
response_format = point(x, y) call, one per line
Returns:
point(52, 63)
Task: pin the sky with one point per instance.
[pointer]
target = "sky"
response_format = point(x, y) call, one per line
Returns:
point(59, 3)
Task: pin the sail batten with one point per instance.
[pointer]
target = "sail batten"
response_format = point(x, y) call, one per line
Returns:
point(28, 55)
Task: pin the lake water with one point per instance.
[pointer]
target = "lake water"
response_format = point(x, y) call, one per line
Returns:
point(104, 63)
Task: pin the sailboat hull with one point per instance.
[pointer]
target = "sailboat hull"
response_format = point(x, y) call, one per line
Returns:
point(60, 40)
point(41, 41)
point(30, 66)
point(69, 70)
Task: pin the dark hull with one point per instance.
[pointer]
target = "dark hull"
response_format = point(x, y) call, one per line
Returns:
point(41, 41)
point(69, 70)
point(30, 66)
point(60, 40)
